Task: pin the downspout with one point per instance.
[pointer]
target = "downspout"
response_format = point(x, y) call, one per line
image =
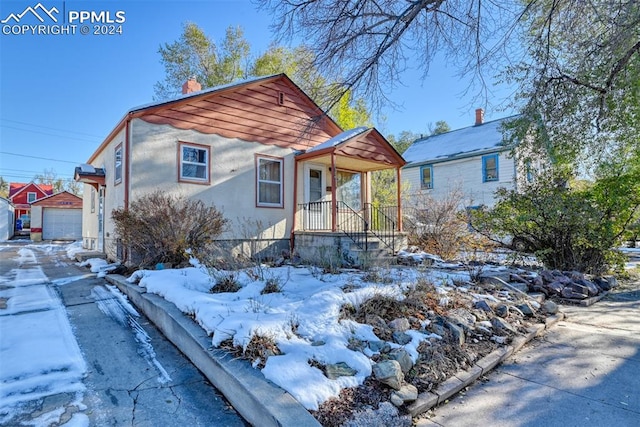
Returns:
point(399, 196)
point(334, 203)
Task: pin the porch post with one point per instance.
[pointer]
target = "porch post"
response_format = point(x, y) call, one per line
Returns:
point(399, 187)
point(334, 203)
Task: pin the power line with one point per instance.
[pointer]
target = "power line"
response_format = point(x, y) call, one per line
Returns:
point(51, 128)
point(49, 134)
point(40, 158)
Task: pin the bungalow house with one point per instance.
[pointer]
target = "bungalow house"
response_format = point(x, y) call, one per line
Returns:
point(473, 160)
point(280, 170)
point(22, 195)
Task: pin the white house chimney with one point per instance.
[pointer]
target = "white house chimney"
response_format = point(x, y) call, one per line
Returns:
point(191, 85)
point(479, 116)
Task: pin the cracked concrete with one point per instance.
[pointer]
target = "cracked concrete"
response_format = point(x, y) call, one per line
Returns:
point(122, 387)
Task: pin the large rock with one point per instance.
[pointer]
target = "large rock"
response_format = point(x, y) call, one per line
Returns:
point(339, 370)
point(400, 325)
point(525, 309)
point(457, 333)
point(407, 393)
point(502, 325)
point(591, 287)
point(550, 307)
point(575, 291)
point(556, 287)
point(390, 373)
point(482, 305)
point(462, 317)
point(401, 356)
point(401, 338)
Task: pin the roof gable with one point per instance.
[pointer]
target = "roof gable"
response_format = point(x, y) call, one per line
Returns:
point(62, 198)
point(365, 144)
point(473, 140)
point(270, 110)
point(16, 188)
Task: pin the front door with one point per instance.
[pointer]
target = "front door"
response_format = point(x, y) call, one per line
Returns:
point(317, 209)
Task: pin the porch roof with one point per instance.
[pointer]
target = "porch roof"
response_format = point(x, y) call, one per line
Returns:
point(89, 175)
point(360, 149)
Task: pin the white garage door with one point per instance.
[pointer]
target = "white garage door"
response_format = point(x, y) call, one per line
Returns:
point(62, 224)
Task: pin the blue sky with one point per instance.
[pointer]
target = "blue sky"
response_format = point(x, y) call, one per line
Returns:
point(62, 94)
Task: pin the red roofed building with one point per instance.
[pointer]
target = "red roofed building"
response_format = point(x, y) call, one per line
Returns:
point(22, 195)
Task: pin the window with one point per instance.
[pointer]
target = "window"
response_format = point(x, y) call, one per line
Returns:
point(118, 165)
point(426, 176)
point(349, 189)
point(194, 163)
point(93, 200)
point(269, 181)
point(490, 168)
point(31, 197)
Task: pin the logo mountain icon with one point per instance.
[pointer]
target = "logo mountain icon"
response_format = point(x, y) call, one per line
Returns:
point(34, 11)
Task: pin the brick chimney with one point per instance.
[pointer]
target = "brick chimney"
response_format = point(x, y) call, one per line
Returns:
point(191, 85)
point(479, 116)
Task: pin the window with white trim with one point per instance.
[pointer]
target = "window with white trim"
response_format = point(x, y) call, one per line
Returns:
point(194, 162)
point(31, 197)
point(269, 182)
point(490, 168)
point(118, 165)
point(426, 176)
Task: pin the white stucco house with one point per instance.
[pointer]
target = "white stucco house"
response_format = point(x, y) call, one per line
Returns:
point(279, 168)
point(473, 160)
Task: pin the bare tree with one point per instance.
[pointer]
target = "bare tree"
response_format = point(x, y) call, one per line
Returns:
point(367, 43)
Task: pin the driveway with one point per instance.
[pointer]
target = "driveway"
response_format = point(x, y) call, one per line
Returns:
point(583, 372)
point(73, 351)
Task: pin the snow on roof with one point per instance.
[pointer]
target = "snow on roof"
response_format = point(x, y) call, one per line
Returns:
point(339, 138)
point(200, 92)
point(473, 139)
point(87, 168)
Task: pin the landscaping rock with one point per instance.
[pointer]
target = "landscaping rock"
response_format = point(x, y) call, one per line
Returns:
point(525, 309)
point(555, 287)
point(575, 291)
point(463, 318)
point(550, 307)
point(400, 325)
point(337, 370)
point(401, 356)
point(390, 373)
point(407, 393)
point(401, 338)
point(457, 333)
point(502, 310)
point(499, 324)
point(379, 346)
point(483, 305)
point(591, 287)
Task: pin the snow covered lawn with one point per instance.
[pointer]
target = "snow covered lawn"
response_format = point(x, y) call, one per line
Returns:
point(303, 319)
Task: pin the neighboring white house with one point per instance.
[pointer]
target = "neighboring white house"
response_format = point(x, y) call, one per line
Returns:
point(473, 160)
point(261, 151)
point(7, 219)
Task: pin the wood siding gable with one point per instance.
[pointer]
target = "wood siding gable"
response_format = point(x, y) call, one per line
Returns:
point(272, 111)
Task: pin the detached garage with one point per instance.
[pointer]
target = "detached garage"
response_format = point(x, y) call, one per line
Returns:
point(57, 217)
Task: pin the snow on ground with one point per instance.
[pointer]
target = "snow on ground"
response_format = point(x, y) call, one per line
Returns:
point(38, 352)
point(303, 319)
point(73, 248)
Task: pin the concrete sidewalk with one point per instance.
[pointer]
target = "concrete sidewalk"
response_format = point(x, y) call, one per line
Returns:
point(583, 372)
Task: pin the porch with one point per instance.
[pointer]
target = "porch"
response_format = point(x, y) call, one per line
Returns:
point(335, 210)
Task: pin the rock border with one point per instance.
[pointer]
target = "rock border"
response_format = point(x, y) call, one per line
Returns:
point(462, 379)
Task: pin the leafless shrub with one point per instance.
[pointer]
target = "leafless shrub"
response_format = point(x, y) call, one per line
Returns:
point(226, 281)
point(160, 228)
point(438, 226)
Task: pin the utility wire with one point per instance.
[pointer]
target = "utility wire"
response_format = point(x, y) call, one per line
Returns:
point(50, 128)
point(40, 158)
